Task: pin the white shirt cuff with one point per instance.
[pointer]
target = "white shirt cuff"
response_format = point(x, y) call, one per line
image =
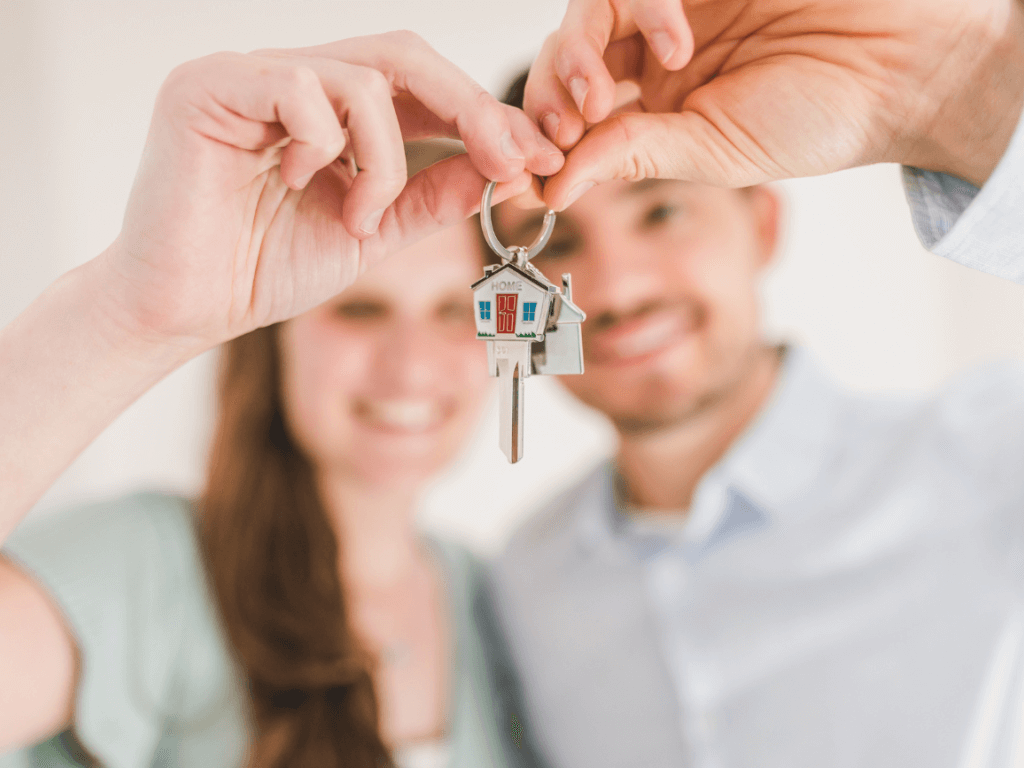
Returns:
point(982, 229)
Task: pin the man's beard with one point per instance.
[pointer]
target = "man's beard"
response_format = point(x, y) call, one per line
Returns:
point(669, 416)
point(676, 412)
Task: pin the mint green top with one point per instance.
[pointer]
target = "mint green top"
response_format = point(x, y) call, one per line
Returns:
point(158, 685)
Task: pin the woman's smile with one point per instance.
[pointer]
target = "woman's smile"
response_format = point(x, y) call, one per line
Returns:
point(403, 416)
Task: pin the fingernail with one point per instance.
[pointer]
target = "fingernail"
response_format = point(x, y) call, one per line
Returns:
point(371, 222)
point(578, 87)
point(577, 192)
point(301, 183)
point(510, 149)
point(550, 123)
point(548, 147)
point(663, 45)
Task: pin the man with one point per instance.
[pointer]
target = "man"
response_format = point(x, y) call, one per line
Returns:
point(771, 571)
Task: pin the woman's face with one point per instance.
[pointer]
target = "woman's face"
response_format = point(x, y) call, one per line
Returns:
point(384, 382)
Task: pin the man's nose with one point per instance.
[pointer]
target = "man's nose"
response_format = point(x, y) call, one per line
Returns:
point(618, 275)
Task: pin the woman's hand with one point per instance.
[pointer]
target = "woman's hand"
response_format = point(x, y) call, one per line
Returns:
point(735, 92)
point(245, 210)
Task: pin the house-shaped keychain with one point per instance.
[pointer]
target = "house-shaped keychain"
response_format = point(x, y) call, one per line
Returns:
point(530, 325)
point(517, 304)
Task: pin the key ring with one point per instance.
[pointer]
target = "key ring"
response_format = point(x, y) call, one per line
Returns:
point(517, 254)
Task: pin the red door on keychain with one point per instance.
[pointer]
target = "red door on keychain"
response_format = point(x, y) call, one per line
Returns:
point(507, 312)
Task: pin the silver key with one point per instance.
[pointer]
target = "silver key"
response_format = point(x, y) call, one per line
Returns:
point(530, 324)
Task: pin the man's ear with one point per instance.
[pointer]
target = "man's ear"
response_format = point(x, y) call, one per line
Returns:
point(766, 202)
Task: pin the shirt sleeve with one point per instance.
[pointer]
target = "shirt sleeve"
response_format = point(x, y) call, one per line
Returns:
point(125, 575)
point(979, 228)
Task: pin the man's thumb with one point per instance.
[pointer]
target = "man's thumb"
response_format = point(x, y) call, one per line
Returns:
point(638, 145)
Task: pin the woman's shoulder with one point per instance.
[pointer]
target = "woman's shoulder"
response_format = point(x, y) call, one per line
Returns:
point(133, 561)
point(142, 534)
point(129, 578)
point(139, 519)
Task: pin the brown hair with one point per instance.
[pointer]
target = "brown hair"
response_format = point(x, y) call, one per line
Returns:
point(273, 563)
point(272, 558)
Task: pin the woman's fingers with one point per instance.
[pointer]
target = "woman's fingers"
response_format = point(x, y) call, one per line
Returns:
point(413, 67)
point(418, 122)
point(244, 101)
point(348, 92)
point(436, 197)
point(389, 86)
point(543, 158)
point(361, 98)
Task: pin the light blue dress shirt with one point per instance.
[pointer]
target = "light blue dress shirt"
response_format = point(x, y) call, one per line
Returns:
point(847, 588)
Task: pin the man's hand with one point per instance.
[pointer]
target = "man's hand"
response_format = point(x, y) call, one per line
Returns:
point(246, 209)
point(736, 92)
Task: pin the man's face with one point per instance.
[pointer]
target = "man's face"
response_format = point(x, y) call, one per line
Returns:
point(667, 272)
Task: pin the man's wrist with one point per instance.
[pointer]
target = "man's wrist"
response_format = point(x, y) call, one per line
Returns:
point(974, 124)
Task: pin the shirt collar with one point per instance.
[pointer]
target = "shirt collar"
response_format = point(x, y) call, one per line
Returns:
point(779, 454)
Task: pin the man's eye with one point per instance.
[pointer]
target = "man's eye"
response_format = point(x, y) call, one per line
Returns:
point(360, 310)
point(558, 249)
point(660, 213)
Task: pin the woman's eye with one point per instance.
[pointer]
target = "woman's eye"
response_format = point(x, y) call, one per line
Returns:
point(660, 213)
point(456, 312)
point(360, 310)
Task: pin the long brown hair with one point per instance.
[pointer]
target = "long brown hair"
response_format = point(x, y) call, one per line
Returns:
point(272, 558)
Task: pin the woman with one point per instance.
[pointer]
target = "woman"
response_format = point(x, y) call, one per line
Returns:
point(300, 621)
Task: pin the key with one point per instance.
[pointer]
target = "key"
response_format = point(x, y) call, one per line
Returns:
point(512, 366)
point(531, 326)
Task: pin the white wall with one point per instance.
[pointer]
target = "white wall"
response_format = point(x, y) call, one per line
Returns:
point(77, 83)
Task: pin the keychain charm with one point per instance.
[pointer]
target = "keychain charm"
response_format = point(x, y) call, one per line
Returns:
point(530, 325)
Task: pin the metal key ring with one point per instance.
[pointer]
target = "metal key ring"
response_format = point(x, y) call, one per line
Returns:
point(492, 239)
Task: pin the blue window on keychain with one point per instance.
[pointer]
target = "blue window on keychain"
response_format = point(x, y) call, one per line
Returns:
point(529, 311)
point(485, 310)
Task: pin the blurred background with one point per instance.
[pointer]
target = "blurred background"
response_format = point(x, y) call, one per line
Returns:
point(77, 85)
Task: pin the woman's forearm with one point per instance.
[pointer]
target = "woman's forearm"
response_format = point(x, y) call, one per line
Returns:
point(69, 364)
point(229, 228)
